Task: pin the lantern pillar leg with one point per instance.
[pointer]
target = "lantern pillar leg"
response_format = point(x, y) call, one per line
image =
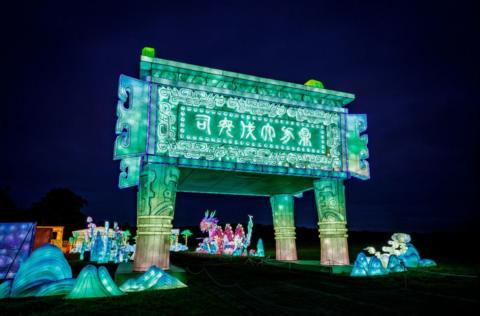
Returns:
point(284, 226)
point(155, 209)
point(330, 201)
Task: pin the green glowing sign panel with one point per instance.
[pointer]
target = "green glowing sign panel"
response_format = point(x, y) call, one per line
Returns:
point(224, 128)
point(192, 124)
point(250, 130)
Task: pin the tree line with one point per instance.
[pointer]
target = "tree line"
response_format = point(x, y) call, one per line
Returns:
point(59, 207)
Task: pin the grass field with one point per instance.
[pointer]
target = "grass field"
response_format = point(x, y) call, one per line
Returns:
point(242, 286)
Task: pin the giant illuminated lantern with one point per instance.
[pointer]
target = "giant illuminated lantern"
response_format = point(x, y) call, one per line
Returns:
point(47, 273)
point(399, 255)
point(16, 241)
point(185, 128)
point(103, 243)
point(224, 241)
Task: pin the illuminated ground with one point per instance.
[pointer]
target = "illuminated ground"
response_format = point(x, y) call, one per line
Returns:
point(238, 286)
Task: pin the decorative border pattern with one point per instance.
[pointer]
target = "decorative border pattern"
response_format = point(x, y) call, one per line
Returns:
point(169, 101)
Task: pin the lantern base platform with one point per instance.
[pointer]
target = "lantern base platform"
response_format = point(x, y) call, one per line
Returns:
point(125, 271)
point(310, 265)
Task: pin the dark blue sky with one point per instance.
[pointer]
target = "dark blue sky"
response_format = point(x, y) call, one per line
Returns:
point(412, 65)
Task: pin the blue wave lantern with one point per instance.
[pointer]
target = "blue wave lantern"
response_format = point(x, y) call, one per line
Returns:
point(46, 265)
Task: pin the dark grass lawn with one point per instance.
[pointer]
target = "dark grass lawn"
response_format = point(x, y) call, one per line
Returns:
point(242, 286)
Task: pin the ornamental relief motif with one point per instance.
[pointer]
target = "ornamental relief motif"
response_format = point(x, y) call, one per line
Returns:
point(256, 107)
point(190, 97)
point(330, 200)
point(156, 195)
point(166, 129)
point(198, 150)
point(168, 144)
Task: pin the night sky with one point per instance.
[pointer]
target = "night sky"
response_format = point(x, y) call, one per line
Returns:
point(413, 67)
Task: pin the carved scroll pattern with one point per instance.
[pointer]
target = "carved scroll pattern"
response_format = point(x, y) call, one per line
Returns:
point(157, 192)
point(330, 200)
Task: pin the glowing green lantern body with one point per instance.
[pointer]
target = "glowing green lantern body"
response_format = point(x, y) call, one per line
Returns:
point(330, 200)
point(195, 129)
point(284, 226)
point(93, 282)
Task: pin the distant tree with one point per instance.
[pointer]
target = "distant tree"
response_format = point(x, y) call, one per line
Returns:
point(61, 207)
